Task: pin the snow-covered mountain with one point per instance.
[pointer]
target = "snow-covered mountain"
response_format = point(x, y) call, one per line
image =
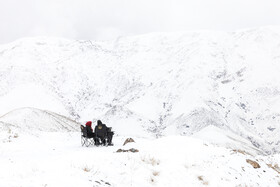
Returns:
point(153, 85)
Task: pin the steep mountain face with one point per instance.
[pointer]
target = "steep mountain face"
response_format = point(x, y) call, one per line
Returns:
point(156, 84)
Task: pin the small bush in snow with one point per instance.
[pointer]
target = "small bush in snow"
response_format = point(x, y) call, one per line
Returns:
point(201, 178)
point(275, 167)
point(151, 160)
point(155, 173)
point(86, 169)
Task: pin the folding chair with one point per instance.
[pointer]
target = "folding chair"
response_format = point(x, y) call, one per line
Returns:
point(85, 139)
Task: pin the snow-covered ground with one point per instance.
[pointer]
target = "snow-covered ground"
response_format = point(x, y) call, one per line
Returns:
point(198, 104)
point(58, 159)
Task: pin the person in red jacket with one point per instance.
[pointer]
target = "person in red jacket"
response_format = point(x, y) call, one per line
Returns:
point(89, 129)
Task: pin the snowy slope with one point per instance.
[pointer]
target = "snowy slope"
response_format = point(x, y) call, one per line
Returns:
point(31, 119)
point(154, 85)
point(57, 159)
point(216, 136)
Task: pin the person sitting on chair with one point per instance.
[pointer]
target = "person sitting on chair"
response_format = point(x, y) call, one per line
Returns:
point(89, 130)
point(102, 133)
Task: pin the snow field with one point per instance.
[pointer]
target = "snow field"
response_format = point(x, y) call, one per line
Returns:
point(58, 159)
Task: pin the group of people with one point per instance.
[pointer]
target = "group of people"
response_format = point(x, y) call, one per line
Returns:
point(101, 134)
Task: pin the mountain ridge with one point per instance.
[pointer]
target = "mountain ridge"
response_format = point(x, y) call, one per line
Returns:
point(158, 82)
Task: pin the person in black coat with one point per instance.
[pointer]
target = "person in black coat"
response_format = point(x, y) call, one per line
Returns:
point(102, 132)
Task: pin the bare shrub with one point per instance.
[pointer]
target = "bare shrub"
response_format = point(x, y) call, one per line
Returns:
point(275, 167)
point(152, 180)
point(86, 169)
point(155, 173)
point(201, 178)
point(151, 160)
point(241, 151)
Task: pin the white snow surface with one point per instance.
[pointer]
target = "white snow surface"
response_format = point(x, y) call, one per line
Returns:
point(198, 105)
point(58, 159)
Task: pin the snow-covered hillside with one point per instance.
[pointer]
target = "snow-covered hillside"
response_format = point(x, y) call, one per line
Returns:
point(221, 89)
point(58, 159)
point(153, 85)
point(32, 120)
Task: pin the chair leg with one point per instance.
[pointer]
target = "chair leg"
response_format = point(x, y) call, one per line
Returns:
point(91, 141)
point(87, 142)
point(82, 140)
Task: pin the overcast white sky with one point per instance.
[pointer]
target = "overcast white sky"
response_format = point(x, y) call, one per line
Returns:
point(108, 19)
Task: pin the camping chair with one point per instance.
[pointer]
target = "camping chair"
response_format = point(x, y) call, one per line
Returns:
point(85, 140)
